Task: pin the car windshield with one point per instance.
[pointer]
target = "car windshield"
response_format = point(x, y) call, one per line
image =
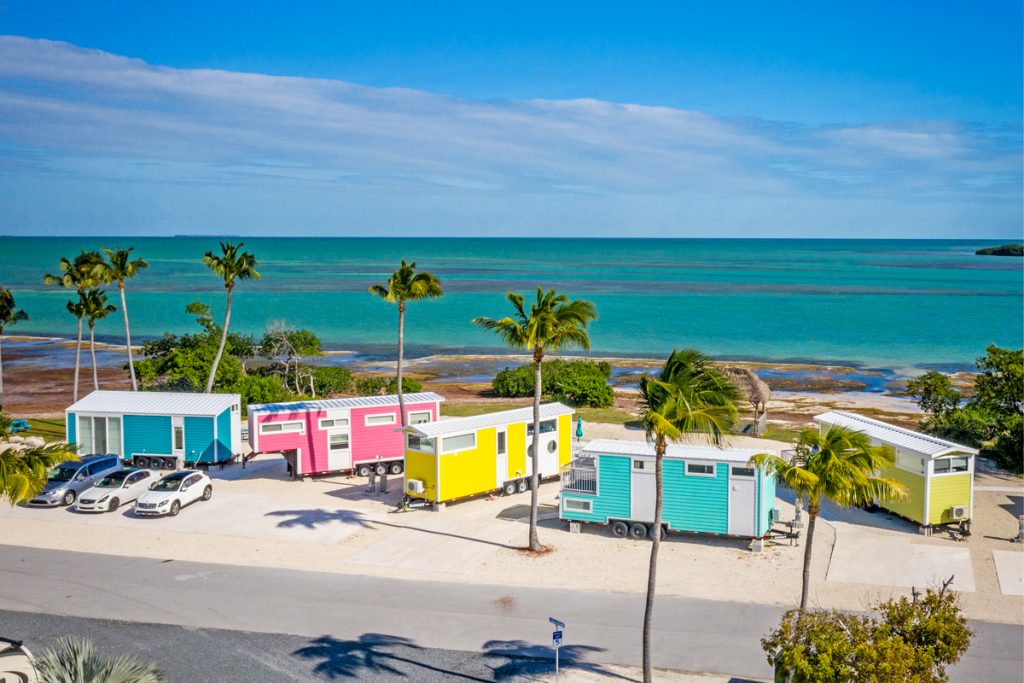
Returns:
point(62, 474)
point(166, 485)
point(113, 481)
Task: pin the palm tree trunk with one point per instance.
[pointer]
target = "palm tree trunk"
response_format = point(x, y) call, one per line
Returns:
point(535, 456)
point(220, 349)
point(128, 338)
point(92, 353)
point(652, 570)
point(78, 362)
point(812, 517)
point(401, 344)
point(1, 370)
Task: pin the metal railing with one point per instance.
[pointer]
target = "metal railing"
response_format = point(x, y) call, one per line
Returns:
point(580, 476)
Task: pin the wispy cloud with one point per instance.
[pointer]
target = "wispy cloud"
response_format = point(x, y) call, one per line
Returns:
point(86, 122)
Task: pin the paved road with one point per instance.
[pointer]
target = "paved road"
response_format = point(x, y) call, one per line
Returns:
point(347, 610)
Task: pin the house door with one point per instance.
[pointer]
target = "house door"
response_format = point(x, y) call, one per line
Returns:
point(642, 491)
point(339, 450)
point(501, 459)
point(178, 436)
point(742, 511)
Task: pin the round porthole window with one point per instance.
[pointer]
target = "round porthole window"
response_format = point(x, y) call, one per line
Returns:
point(552, 446)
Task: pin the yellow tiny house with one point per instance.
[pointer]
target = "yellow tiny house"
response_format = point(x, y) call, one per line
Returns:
point(452, 459)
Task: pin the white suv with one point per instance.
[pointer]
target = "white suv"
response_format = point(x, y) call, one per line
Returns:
point(173, 492)
point(116, 488)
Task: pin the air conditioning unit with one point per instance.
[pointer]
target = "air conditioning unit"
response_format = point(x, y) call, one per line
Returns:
point(959, 511)
point(414, 486)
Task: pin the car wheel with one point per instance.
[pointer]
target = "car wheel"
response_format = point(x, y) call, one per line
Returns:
point(208, 493)
point(510, 488)
point(395, 468)
point(142, 462)
point(114, 504)
point(175, 509)
point(363, 470)
point(69, 498)
point(638, 531)
point(523, 486)
point(620, 529)
point(381, 470)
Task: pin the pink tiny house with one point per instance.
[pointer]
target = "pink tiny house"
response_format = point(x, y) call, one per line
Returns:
point(339, 434)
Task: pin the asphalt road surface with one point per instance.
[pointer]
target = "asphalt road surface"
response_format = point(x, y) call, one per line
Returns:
point(355, 625)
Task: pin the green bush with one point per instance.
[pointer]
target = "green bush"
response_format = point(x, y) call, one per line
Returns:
point(367, 386)
point(261, 389)
point(330, 381)
point(580, 382)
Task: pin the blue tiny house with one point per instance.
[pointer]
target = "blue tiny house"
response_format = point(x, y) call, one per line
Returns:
point(706, 490)
point(157, 429)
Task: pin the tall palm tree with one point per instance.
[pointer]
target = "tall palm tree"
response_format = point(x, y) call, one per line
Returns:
point(9, 315)
point(689, 395)
point(405, 285)
point(118, 268)
point(839, 465)
point(23, 471)
point(75, 660)
point(231, 265)
point(553, 322)
point(79, 275)
point(95, 307)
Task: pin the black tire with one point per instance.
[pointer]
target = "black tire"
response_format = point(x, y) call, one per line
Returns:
point(380, 469)
point(395, 468)
point(363, 471)
point(662, 532)
point(208, 492)
point(69, 498)
point(142, 462)
point(522, 486)
point(114, 504)
point(620, 529)
point(170, 463)
point(175, 509)
point(638, 531)
point(509, 488)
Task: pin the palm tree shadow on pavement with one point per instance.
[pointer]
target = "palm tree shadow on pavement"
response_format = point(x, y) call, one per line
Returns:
point(311, 519)
point(374, 655)
point(523, 659)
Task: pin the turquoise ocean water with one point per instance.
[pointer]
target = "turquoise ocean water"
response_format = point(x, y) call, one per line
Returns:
point(878, 303)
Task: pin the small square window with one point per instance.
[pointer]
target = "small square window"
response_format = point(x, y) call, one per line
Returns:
point(419, 417)
point(743, 471)
point(643, 465)
point(700, 469)
point(578, 505)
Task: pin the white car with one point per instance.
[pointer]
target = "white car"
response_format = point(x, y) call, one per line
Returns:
point(116, 488)
point(173, 492)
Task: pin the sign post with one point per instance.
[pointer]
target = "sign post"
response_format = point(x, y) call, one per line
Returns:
point(556, 640)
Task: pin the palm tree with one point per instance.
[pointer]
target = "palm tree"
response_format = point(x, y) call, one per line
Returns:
point(554, 322)
point(23, 471)
point(404, 285)
point(95, 307)
point(839, 465)
point(232, 265)
point(9, 315)
point(78, 275)
point(76, 660)
point(118, 268)
point(688, 395)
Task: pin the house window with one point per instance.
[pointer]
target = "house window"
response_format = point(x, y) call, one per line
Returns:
point(334, 423)
point(462, 442)
point(282, 427)
point(948, 465)
point(643, 465)
point(546, 427)
point(338, 442)
point(114, 435)
point(908, 461)
point(379, 419)
point(742, 471)
point(578, 505)
point(700, 469)
point(419, 417)
point(415, 442)
point(179, 438)
point(502, 446)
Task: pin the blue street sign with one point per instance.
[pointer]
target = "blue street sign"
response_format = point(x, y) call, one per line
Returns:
point(556, 639)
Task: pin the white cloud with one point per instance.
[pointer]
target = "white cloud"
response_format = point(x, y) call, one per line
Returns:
point(73, 114)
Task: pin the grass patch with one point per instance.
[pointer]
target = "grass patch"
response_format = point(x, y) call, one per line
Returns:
point(779, 433)
point(606, 415)
point(51, 429)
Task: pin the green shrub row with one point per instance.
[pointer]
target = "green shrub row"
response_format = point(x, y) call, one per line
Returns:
point(579, 382)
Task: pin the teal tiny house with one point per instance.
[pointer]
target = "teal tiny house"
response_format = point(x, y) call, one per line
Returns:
point(157, 429)
point(706, 490)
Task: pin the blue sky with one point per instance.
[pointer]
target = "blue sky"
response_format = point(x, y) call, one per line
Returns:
point(733, 119)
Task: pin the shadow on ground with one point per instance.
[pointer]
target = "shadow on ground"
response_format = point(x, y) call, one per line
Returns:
point(311, 519)
point(879, 519)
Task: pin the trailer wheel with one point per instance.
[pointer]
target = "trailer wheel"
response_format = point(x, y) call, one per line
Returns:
point(142, 462)
point(171, 464)
point(661, 532)
point(395, 468)
point(363, 470)
point(522, 486)
point(510, 488)
point(638, 531)
point(381, 470)
point(620, 529)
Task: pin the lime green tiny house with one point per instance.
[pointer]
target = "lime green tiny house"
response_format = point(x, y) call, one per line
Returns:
point(938, 474)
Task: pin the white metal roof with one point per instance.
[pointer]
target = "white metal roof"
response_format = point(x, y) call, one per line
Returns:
point(154, 403)
point(467, 424)
point(674, 451)
point(893, 435)
point(353, 402)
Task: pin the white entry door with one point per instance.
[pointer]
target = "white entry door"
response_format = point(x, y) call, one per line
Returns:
point(742, 511)
point(501, 460)
point(642, 490)
point(339, 449)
